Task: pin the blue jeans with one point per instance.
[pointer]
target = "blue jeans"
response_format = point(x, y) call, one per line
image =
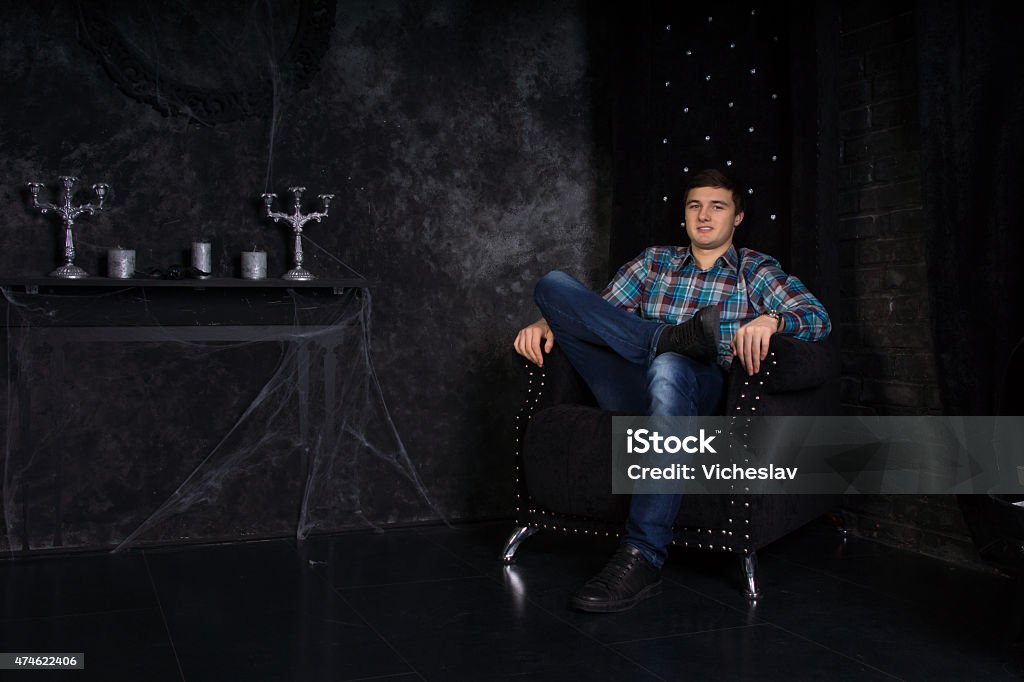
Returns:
point(614, 352)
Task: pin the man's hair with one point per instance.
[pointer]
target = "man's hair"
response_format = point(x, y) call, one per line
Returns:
point(712, 177)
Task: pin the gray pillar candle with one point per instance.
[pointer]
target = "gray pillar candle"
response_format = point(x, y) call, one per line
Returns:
point(201, 257)
point(120, 263)
point(254, 265)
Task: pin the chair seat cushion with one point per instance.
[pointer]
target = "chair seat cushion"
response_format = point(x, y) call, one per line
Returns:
point(567, 463)
point(567, 467)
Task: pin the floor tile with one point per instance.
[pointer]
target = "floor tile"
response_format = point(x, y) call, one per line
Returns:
point(320, 641)
point(473, 628)
point(118, 645)
point(261, 577)
point(904, 638)
point(70, 585)
point(259, 612)
point(758, 652)
point(353, 559)
point(886, 569)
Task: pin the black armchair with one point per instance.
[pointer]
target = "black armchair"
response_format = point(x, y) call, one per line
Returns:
point(563, 457)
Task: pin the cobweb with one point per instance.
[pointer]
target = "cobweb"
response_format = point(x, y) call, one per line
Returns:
point(314, 436)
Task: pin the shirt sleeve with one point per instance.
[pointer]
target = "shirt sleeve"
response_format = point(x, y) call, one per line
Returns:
point(802, 314)
point(626, 288)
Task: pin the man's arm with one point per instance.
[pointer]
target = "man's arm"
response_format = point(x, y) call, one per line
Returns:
point(786, 307)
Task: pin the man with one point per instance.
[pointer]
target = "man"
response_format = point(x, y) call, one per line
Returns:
point(658, 341)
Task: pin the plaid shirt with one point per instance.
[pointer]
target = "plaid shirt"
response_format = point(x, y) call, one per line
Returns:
point(665, 283)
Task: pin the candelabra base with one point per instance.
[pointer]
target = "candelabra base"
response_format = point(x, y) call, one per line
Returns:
point(298, 275)
point(69, 271)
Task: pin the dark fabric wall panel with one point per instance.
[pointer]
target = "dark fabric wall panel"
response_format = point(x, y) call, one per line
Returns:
point(707, 88)
point(972, 160)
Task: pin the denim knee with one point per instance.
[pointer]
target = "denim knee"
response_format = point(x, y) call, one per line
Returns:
point(550, 285)
point(672, 367)
point(672, 385)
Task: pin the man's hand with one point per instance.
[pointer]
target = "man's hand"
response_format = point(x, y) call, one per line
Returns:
point(529, 339)
point(751, 342)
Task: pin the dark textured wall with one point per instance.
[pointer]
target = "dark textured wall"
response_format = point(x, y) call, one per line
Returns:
point(888, 348)
point(888, 355)
point(459, 137)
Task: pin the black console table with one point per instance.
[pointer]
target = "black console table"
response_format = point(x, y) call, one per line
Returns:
point(32, 285)
point(164, 411)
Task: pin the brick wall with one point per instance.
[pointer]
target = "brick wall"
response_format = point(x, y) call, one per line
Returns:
point(887, 355)
point(888, 361)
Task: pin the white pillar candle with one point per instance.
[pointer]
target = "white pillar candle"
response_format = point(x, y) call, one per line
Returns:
point(254, 265)
point(202, 258)
point(120, 263)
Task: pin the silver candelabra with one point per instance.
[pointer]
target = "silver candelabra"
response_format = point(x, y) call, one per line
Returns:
point(68, 213)
point(297, 220)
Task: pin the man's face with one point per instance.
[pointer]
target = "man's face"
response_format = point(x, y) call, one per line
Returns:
point(711, 217)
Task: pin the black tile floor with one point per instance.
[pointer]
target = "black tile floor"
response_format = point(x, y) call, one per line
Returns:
point(436, 604)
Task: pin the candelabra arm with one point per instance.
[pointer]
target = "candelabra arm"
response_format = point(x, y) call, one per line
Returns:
point(79, 210)
point(278, 217)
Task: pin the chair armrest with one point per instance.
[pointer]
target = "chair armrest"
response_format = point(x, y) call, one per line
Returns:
point(557, 383)
point(794, 365)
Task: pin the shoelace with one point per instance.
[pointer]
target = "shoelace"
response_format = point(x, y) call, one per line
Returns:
point(615, 571)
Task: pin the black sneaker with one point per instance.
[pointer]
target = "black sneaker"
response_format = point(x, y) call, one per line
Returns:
point(696, 338)
point(625, 580)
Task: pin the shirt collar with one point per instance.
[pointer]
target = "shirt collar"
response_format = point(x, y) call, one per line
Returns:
point(729, 259)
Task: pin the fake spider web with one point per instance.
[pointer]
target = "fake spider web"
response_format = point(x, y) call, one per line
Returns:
point(302, 442)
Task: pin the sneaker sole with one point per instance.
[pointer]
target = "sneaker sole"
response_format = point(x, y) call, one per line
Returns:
point(651, 590)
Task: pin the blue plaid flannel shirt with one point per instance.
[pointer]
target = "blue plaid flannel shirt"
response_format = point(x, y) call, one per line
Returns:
point(664, 283)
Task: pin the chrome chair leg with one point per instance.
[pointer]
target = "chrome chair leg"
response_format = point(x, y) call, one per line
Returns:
point(519, 533)
point(750, 575)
